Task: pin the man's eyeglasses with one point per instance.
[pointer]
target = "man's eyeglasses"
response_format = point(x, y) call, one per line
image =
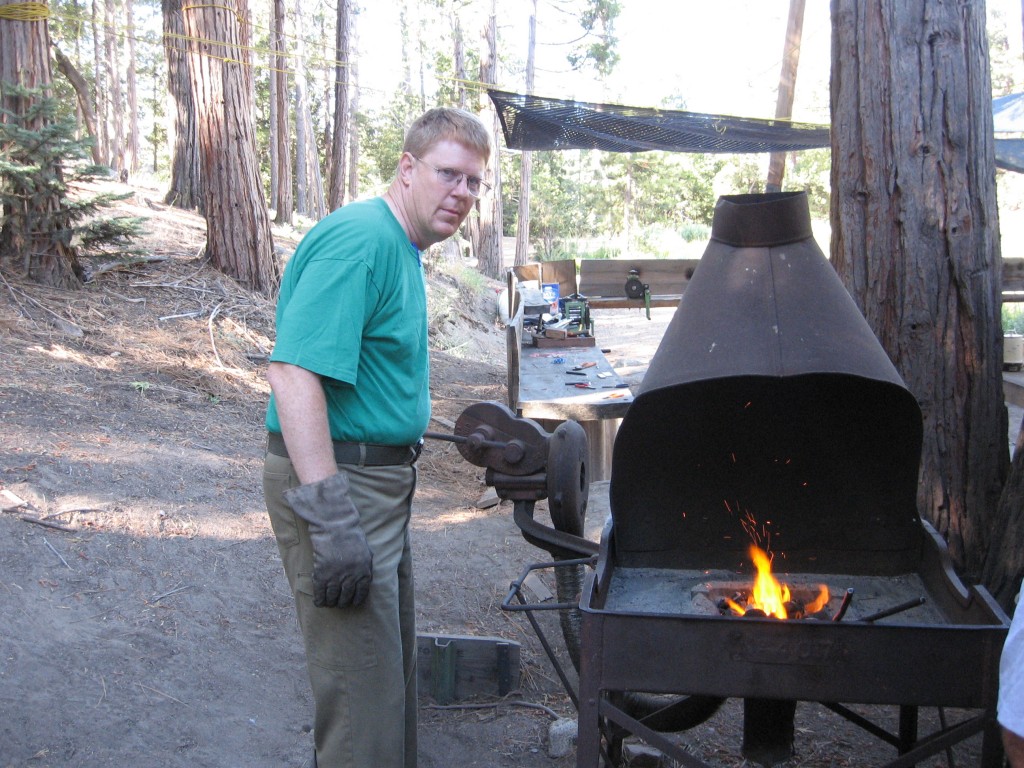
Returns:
point(451, 178)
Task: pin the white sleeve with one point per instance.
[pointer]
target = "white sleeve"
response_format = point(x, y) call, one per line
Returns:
point(1011, 677)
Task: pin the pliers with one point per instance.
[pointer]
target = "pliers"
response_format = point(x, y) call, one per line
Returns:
point(580, 385)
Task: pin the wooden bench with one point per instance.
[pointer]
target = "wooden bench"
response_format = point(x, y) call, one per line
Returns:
point(1013, 279)
point(603, 281)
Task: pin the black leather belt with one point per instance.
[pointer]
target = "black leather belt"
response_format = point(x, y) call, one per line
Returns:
point(362, 454)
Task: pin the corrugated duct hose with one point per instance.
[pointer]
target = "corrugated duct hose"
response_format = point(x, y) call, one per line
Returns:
point(567, 504)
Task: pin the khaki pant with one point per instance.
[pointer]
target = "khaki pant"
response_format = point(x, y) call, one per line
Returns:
point(361, 661)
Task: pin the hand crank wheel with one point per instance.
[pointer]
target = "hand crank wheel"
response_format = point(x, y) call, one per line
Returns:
point(568, 483)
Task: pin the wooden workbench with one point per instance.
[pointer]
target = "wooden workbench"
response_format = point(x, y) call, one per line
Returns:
point(545, 396)
point(537, 387)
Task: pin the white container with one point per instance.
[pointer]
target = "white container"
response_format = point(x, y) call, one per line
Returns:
point(1013, 351)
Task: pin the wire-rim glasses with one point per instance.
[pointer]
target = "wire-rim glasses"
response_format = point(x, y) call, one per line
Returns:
point(450, 178)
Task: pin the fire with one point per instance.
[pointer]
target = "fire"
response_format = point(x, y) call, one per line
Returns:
point(769, 596)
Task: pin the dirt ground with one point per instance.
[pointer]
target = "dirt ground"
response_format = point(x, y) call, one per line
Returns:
point(144, 615)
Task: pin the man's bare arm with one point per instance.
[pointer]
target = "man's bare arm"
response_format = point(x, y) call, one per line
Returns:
point(302, 411)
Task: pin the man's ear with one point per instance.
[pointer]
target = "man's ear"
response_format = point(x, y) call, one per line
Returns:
point(405, 168)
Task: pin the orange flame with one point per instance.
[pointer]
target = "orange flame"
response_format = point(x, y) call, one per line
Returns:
point(768, 594)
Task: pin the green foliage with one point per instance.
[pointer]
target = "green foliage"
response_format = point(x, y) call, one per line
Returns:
point(691, 232)
point(1013, 317)
point(599, 41)
point(43, 169)
point(809, 171)
point(381, 137)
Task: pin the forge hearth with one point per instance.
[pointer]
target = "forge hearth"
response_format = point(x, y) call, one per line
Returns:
point(770, 415)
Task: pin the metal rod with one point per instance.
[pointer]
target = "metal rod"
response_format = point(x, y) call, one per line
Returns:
point(461, 439)
point(896, 609)
point(847, 599)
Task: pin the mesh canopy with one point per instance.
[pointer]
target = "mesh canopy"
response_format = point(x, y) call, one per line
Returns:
point(538, 123)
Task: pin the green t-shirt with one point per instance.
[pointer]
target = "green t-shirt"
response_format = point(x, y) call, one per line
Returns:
point(353, 309)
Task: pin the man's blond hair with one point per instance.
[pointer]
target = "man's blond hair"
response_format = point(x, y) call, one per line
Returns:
point(451, 124)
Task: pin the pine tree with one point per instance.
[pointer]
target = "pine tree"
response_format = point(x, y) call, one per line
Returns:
point(43, 170)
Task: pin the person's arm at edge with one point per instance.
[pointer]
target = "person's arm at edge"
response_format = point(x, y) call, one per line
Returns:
point(1013, 745)
point(302, 412)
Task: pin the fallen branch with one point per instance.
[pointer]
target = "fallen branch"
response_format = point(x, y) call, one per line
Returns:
point(514, 702)
point(174, 591)
point(93, 270)
point(46, 524)
point(220, 363)
point(58, 554)
point(161, 693)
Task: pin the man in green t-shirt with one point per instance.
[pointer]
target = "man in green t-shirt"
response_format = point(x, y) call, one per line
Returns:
point(350, 401)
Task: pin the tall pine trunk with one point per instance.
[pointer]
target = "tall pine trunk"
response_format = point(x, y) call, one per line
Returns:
point(100, 86)
point(915, 238)
point(340, 135)
point(186, 188)
point(281, 134)
point(526, 159)
point(238, 238)
point(115, 149)
point(490, 260)
point(132, 159)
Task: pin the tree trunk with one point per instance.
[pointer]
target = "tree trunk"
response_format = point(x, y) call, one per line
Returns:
point(282, 134)
point(915, 239)
point(186, 183)
point(272, 123)
point(25, 61)
point(1004, 566)
point(113, 74)
point(459, 63)
point(308, 181)
point(353, 110)
point(787, 88)
point(132, 160)
point(100, 91)
point(340, 138)
point(490, 260)
point(526, 159)
point(66, 68)
point(238, 238)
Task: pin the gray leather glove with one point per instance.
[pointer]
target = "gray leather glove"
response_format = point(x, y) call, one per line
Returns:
point(342, 561)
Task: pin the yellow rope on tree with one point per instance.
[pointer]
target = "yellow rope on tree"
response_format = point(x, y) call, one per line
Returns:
point(24, 11)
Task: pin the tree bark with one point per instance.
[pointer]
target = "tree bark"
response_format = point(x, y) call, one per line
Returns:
point(490, 260)
point(186, 184)
point(238, 238)
point(308, 180)
point(132, 159)
point(100, 91)
point(1004, 566)
point(787, 88)
point(66, 68)
point(282, 134)
point(115, 150)
point(915, 239)
point(526, 158)
point(25, 61)
point(340, 134)
point(272, 123)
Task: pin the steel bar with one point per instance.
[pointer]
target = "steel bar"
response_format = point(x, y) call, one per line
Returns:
point(892, 611)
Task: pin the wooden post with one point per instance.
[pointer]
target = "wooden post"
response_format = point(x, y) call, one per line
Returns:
point(787, 88)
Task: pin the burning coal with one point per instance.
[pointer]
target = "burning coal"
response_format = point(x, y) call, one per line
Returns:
point(769, 597)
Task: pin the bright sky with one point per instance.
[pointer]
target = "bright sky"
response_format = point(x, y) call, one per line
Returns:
point(722, 56)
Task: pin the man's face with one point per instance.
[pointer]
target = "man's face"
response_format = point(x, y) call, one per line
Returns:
point(438, 190)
